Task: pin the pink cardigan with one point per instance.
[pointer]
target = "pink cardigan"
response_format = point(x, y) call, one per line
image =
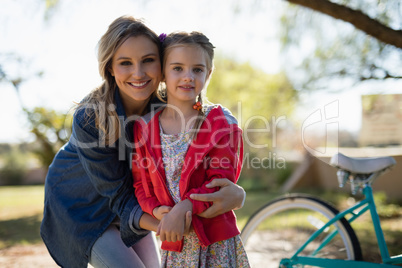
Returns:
point(216, 152)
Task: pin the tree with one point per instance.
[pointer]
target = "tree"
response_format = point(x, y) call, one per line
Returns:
point(263, 105)
point(357, 18)
point(367, 47)
point(50, 128)
point(14, 168)
point(257, 99)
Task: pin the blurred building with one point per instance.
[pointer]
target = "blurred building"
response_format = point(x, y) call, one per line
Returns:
point(381, 120)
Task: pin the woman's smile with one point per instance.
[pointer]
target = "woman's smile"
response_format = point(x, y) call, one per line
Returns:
point(139, 85)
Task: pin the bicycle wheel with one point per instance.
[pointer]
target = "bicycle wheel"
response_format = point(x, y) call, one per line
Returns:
point(279, 228)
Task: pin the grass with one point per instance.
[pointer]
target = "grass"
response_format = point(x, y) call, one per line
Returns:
point(253, 202)
point(21, 214)
point(17, 201)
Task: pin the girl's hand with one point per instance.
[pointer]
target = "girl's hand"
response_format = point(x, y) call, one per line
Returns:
point(172, 226)
point(160, 212)
point(229, 197)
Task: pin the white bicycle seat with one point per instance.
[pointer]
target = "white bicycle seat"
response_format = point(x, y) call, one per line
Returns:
point(362, 165)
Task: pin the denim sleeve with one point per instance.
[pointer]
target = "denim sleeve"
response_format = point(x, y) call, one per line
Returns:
point(110, 176)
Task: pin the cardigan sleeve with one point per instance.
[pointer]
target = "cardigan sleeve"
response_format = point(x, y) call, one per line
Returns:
point(110, 176)
point(224, 161)
point(141, 178)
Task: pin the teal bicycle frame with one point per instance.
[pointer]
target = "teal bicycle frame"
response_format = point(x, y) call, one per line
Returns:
point(355, 212)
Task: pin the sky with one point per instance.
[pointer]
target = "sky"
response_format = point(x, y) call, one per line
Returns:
point(63, 47)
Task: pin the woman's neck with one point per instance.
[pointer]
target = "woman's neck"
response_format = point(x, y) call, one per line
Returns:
point(133, 107)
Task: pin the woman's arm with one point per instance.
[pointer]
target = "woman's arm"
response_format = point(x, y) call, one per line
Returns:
point(229, 197)
point(110, 175)
point(148, 222)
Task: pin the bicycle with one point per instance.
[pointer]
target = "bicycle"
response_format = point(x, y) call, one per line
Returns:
point(298, 230)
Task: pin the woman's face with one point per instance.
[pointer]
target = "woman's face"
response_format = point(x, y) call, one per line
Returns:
point(137, 70)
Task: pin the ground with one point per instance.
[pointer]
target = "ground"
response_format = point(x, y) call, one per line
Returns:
point(34, 256)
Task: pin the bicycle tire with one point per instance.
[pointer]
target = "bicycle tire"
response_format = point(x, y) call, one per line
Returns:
point(281, 226)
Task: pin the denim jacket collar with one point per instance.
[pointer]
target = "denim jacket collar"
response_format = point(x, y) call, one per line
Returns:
point(119, 104)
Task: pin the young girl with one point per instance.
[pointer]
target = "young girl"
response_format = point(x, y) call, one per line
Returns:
point(180, 148)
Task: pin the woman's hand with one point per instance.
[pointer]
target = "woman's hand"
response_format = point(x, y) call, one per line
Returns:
point(188, 227)
point(160, 212)
point(229, 197)
point(174, 224)
point(148, 222)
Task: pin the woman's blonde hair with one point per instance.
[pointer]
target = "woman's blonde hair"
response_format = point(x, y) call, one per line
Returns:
point(101, 99)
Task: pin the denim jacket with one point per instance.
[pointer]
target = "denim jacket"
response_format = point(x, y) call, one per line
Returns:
point(87, 186)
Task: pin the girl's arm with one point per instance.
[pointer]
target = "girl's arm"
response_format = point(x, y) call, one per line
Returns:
point(142, 184)
point(175, 224)
point(146, 198)
point(229, 196)
point(224, 162)
point(150, 223)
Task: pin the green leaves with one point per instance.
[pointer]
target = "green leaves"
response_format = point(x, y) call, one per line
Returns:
point(248, 91)
point(51, 129)
point(256, 98)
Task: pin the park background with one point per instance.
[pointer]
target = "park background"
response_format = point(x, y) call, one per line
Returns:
point(301, 83)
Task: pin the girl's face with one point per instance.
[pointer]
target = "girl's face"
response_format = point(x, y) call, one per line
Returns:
point(137, 70)
point(185, 73)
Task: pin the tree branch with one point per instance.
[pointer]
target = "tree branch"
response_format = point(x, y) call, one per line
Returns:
point(356, 18)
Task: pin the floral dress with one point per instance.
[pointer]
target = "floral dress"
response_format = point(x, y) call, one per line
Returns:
point(227, 253)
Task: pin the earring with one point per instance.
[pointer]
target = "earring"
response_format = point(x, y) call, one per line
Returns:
point(197, 106)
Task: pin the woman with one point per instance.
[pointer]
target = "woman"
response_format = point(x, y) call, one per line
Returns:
point(91, 213)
